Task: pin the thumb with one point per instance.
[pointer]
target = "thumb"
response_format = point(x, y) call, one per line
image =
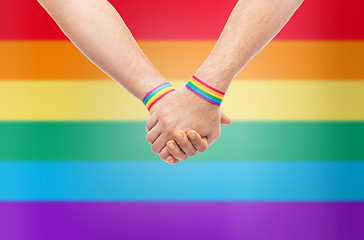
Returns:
point(225, 120)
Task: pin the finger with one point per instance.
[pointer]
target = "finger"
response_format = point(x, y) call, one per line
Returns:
point(225, 120)
point(165, 156)
point(181, 138)
point(153, 120)
point(175, 151)
point(171, 160)
point(159, 144)
point(199, 143)
point(153, 134)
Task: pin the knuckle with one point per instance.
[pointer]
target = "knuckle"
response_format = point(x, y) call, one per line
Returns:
point(195, 142)
point(155, 149)
point(203, 149)
point(177, 153)
point(183, 142)
point(164, 121)
point(170, 131)
point(182, 145)
point(148, 138)
point(193, 153)
point(174, 152)
point(163, 157)
point(183, 157)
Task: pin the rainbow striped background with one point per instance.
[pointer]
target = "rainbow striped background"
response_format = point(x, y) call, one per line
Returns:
point(74, 163)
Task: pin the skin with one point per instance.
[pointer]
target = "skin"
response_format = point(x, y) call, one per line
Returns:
point(251, 25)
point(184, 144)
point(98, 31)
point(108, 43)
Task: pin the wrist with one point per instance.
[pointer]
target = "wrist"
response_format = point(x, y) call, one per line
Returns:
point(149, 83)
point(198, 102)
point(205, 91)
point(156, 94)
point(215, 77)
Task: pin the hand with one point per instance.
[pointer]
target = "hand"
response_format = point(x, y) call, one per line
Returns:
point(183, 110)
point(185, 145)
point(189, 143)
point(172, 153)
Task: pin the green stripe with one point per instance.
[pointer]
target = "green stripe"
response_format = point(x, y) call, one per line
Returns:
point(203, 92)
point(155, 91)
point(126, 141)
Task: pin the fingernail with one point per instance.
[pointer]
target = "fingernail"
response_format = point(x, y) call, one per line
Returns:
point(179, 136)
point(192, 136)
point(171, 146)
point(171, 161)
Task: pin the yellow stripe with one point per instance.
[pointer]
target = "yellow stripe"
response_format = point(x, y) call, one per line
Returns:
point(211, 92)
point(151, 100)
point(245, 100)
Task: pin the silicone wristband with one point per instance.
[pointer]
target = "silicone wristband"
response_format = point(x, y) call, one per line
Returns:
point(157, 94)
point(205, 91)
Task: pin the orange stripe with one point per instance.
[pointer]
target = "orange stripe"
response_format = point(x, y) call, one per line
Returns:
point(309, 60)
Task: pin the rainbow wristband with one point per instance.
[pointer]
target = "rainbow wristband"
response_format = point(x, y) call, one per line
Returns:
point(157, 94)
point(205, 91)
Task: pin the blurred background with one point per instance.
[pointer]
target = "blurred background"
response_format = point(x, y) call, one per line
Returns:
point(74, 163)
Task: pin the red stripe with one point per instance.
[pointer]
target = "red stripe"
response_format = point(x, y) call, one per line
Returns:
point(159, 98)
point(208, 86)
point(153, 90)
point(190, 19)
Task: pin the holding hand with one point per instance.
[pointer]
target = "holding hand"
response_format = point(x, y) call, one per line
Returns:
point(183, 145)
point(183, 110)
point(178, 149)
point(99, 32)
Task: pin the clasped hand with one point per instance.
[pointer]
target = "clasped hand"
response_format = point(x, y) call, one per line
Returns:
point(182, 124)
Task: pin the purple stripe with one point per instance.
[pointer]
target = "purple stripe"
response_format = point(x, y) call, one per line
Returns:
point(202, 96)
point(154, 90)
point(181, 220)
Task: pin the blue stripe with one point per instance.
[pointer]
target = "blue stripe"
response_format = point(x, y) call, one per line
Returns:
point(164, 85)
point(189, 181)
point(190, 84)
point(199, 91)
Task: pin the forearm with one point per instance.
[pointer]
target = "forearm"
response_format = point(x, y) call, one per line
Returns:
point(98, 31)
point(251, 25)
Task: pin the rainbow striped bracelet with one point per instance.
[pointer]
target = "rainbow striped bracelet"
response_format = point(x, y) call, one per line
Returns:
point(157, 94)
point(205, 91)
